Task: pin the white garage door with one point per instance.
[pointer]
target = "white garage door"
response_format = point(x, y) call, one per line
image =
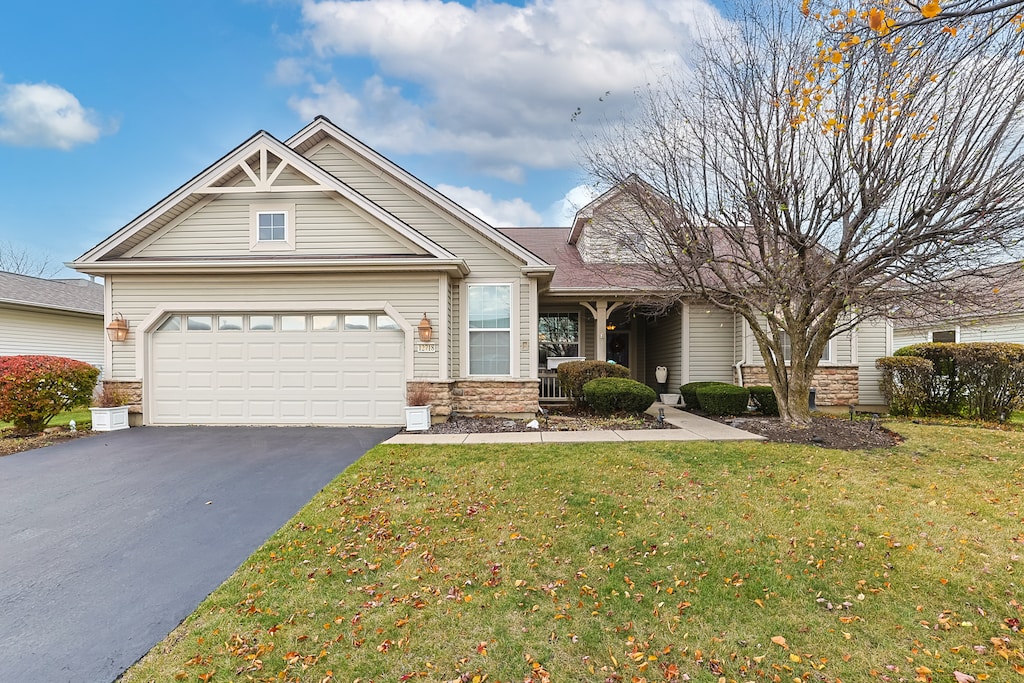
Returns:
point(277, 369)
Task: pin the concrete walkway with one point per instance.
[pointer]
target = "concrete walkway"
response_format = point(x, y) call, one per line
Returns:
point(688, 427)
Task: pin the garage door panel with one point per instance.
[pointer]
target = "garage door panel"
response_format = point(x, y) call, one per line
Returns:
point(273, 377)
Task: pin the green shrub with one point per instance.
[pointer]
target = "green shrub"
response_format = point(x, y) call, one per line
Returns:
point(35, 388)
point(615, 394)
point(763, 397)
point(905, 382)
point(991, 378)
point(943, 393)
point(723, 399)
point(689, 392)
point(976, 380)
point(572, 375)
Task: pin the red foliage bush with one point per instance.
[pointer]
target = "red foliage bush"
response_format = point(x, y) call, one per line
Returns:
point(35, 388)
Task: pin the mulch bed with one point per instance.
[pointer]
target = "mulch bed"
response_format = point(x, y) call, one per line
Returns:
point(553, 422)
point(824, 431)
point(9, 443)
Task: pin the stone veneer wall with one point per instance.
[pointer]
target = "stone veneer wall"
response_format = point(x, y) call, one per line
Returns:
point(132, 390)
point(440, 396)
point(482, 397)
point(835, 386)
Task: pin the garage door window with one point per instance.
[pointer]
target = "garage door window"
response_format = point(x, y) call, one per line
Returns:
point(293, 323)
point(172, 324)
point(200, 323)
point(490, 329)
point(229, 323)
point(357, 322)
point(384, 322)
point(261, 323)
point(325, 323)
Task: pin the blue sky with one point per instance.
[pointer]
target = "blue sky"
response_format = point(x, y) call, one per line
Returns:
point(108, 106)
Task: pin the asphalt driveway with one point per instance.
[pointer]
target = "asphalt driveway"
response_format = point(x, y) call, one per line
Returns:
point(108, 542)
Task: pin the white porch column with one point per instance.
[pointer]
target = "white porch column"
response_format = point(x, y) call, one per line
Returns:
point(601, 310)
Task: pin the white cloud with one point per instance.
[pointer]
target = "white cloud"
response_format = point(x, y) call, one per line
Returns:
point(498, 212)
point(496, 82)
point(562, 212)
point(44, 115)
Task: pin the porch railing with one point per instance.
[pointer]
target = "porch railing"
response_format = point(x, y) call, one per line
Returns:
point(550, 389)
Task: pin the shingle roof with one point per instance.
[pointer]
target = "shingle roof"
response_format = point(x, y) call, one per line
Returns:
point(72, 294)
point(571, 272)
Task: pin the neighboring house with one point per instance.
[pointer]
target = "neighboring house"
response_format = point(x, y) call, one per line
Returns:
point(313, 281)
point(993, 312)
point(62, 317)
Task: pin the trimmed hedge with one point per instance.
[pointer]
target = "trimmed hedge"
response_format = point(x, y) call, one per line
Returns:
point(573, 374)
point(763, 397)
point(615, 394)
point(689, 392)
point(33, 389)
point(905, 382)
point(975, 380)
point(723, 399)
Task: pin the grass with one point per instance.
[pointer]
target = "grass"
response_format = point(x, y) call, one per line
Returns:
point(81, 416)
point(648, 562)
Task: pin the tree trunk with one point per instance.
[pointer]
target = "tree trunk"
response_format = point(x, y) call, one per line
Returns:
point(795, 409)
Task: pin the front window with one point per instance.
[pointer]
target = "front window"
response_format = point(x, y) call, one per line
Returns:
point(787, 351)
point(558, 336)
point(947, 336)
point(490, 329)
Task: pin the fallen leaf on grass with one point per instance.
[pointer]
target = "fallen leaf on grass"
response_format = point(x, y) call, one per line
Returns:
point(780, 641)
point(963, 678)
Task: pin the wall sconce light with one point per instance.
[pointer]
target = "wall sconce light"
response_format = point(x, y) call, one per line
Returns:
point(117, 330)
point(610, 327)
point(425, 330)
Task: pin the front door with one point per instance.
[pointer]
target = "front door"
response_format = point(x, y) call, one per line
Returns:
point(618, 347)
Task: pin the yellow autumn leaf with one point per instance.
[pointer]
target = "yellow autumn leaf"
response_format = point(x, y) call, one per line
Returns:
point(930, 9)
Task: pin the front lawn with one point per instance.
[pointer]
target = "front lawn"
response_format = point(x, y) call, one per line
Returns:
point(646, 562)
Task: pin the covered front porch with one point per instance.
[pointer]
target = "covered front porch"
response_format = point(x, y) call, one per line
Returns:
point(623, 331)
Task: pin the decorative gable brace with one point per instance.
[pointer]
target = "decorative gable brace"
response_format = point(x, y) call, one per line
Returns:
point(263, 171)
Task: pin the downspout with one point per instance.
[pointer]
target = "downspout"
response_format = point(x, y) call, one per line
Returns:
point(743, 351)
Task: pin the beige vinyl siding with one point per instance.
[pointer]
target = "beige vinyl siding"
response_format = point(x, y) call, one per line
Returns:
point(711, 344)
point(840, 347)
point(322, 225)
point(487, 262)
point(32, 332)
point(664, 344)
point(134, 296)
point(454, 328)
point(871, 345)
point(901, 338)
point(1008, 328)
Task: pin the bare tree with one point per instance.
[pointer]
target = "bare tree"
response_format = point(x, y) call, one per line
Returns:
point(805, 193)
point(22, 261)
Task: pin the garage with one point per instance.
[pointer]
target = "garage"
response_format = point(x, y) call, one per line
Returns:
point(322, 368)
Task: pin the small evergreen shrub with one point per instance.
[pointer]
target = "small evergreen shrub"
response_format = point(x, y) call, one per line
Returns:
point(763, 398)
point(572, 375)
point(33, 389)
point(616, 394)
point(943, 393)
point(689, 392)
point(723, 399)
point(905, 382)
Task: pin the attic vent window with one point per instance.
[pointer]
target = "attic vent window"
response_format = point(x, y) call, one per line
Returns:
point(272, 226)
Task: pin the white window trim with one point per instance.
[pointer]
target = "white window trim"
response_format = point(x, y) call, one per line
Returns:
point(830, 348)
point(288, 243)
point(579, 329)
point(513, 360)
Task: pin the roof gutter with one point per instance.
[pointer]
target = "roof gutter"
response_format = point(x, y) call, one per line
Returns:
point(456, 267)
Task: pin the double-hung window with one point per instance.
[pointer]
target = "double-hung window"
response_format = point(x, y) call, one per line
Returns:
point(490, 330)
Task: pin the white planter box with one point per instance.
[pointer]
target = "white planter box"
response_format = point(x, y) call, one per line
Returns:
point(670, 399)
point(109, 419)
point(555, 361)
point(417, 418)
